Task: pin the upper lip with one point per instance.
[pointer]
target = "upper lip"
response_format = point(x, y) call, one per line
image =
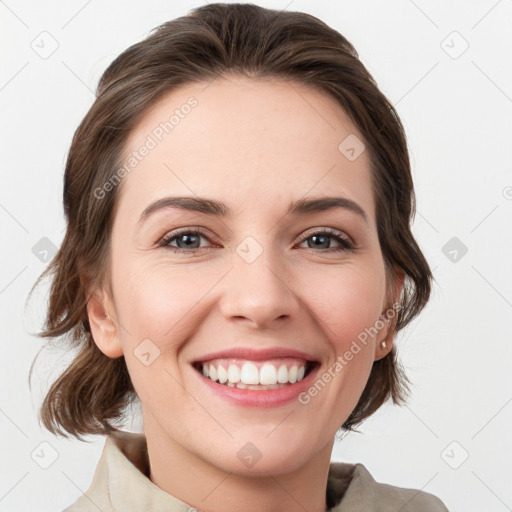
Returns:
point(257, 354)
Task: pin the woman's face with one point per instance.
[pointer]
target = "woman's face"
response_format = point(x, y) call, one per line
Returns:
point(257, 278)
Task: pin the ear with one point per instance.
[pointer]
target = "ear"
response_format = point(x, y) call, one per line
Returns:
point(389, 316)
point(103, 324)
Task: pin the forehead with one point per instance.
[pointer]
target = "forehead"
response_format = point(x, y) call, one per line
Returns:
point(245, 141)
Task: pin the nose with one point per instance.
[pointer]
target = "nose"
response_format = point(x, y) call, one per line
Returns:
point(259, 294)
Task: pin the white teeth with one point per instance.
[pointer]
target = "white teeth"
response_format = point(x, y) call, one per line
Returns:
point(268, 374)
point(282, 374)
point(222, 374)
point(233, 373)
point(249, 376)
point(253, 387)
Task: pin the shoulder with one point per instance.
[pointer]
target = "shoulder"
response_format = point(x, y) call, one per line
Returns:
point(365, 493)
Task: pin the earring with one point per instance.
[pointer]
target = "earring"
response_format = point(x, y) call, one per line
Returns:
point(383, 344)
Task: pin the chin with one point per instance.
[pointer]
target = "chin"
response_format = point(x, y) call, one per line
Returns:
point(257, 456)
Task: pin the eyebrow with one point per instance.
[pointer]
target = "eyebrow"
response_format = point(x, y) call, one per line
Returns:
point(219, 209)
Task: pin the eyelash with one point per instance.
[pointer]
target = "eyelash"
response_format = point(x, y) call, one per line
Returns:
point(346, 245)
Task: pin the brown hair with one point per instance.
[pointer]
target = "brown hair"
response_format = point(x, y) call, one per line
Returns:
point(211, 41)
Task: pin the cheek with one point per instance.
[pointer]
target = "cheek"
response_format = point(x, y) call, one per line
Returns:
point(157, 302)
point(348, 312)
point(348, 301)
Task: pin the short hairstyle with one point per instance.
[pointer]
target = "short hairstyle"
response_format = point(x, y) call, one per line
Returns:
point(212, 41)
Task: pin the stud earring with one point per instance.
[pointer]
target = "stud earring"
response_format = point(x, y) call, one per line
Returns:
point(383, 344)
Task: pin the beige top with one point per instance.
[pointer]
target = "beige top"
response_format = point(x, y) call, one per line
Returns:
point(121, 484)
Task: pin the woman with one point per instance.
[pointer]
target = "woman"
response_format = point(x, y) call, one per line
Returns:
point(238, 257)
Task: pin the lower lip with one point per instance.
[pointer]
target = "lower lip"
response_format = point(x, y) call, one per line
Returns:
point(260, 397)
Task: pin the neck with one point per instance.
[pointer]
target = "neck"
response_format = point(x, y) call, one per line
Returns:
point(197, 482)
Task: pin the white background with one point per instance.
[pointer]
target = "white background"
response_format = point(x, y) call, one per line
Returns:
point(457, 113)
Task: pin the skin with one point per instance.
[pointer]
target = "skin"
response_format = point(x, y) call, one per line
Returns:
point(257, 146)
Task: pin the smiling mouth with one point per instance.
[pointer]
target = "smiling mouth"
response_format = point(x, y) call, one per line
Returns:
point(255, 375)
